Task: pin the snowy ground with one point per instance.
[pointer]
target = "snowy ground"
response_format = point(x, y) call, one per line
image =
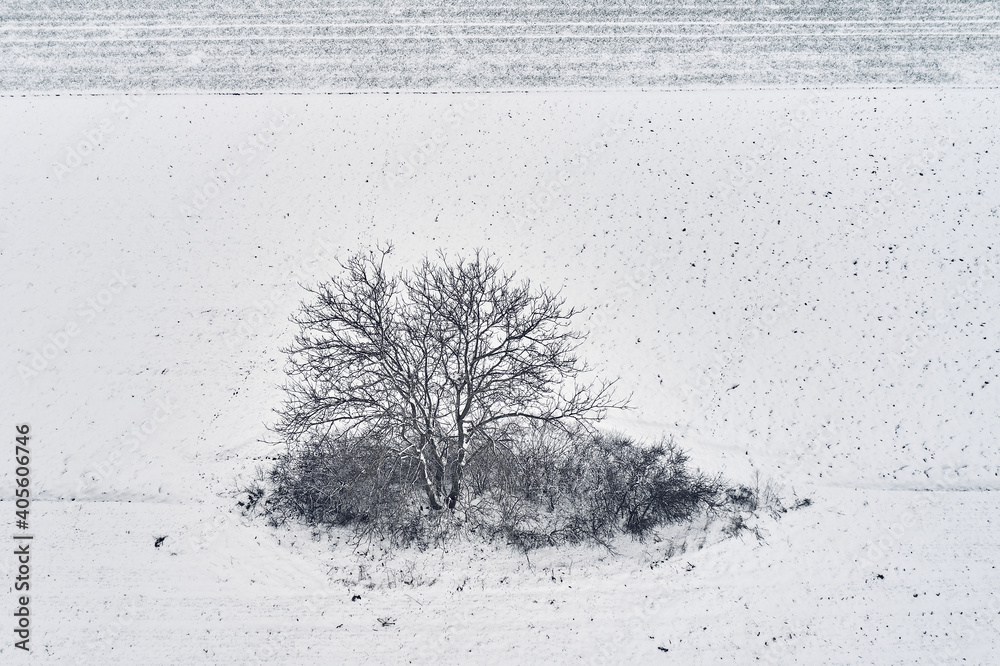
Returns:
point(796, 282)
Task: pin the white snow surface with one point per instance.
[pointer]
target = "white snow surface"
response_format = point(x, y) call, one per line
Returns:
point(800, 283)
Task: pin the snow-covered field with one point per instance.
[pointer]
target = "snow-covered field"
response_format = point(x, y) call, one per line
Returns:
point(337, 45)
point(797, 282)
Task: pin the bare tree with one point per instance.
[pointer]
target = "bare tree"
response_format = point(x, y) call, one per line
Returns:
point(437, 364)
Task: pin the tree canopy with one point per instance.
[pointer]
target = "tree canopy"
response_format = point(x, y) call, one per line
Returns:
point(436, 364)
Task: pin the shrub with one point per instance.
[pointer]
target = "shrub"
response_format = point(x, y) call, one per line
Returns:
point(343, 480)
point(545, 487)
point(580, 486)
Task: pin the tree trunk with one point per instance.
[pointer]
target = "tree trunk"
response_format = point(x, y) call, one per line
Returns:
point(459, 469)
point(434, 491)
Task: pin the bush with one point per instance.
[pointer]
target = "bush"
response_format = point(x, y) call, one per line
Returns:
point(347, 480)
point(544, 487)
point(572, 487)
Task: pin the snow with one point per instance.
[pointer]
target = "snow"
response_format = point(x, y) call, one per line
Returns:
point(797, 282)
